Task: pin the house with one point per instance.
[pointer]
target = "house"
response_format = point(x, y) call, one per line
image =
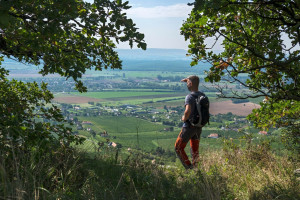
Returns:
point(263, 133)
point(213, 135)
point(104, 134)
point(173, 111)
point(169, 129)
point(87, 122)
point(112, 144)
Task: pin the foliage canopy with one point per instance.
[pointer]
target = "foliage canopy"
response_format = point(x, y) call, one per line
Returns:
point(65, 37)
point(260, 38)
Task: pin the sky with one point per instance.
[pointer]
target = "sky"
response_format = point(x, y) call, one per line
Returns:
point(160, 21)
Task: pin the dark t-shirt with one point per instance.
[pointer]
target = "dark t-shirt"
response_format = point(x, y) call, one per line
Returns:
point(189, 99)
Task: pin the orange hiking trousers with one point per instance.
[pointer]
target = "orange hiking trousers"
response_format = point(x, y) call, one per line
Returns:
point(186, 134)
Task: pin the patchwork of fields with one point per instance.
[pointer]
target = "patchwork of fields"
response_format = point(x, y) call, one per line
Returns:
point(136, 130)
point(155, 99)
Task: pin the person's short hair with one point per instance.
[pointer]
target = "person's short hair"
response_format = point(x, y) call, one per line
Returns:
point(194, 79)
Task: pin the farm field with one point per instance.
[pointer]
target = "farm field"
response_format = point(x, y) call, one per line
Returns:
point(73, 99)
point(139, 133)
point(154, 99)
point(121, 124)
point(119, 97)
point(129, 131)
point(124, 104)
point(121, 94)
point(241, 109)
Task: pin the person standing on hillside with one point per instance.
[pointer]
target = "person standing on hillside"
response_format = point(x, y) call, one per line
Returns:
point(189, 132)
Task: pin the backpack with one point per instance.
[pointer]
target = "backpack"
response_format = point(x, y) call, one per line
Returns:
point(201, 111)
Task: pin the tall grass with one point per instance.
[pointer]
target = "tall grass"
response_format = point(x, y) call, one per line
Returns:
point(254, 172)
point(107, 173)
point(37, 175)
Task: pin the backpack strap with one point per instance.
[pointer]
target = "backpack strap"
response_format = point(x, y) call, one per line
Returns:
point(198, 106)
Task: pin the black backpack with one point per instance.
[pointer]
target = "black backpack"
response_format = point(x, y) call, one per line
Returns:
point(201, 111)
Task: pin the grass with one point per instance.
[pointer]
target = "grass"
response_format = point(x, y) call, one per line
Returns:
point(109, 173)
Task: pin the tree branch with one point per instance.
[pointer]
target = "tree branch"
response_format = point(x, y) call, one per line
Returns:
point(22, 16)
point(281, 63)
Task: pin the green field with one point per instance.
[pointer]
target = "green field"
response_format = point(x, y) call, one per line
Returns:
point(142, 96)
point(118, 94)
point(126, 130)
point(117, 98)
point(135, 132)
point(121, 124)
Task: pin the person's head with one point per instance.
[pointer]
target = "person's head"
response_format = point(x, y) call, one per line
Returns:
point(192, 82)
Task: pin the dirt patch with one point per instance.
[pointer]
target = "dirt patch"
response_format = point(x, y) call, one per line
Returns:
point(241, 109)
point(75, 99)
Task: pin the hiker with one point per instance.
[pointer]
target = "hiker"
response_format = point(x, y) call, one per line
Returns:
point(189, 132)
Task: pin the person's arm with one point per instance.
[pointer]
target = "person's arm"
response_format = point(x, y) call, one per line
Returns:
point(184, 80)
point(187, 112)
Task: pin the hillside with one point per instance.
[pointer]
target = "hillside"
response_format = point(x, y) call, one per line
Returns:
point(107, 173)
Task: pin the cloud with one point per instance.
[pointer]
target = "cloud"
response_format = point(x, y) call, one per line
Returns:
point(176, 10)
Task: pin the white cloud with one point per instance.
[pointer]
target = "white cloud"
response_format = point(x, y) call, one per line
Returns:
point(177, 10)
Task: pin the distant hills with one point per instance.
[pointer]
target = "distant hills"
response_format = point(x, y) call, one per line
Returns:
point(153, 54)
point(138, 60)
point(158, 60)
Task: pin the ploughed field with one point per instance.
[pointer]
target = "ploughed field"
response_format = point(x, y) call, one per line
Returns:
point(241, 109)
